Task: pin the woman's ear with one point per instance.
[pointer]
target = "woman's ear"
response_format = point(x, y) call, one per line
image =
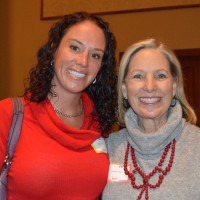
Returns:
point(174, 87)
point(124, 90)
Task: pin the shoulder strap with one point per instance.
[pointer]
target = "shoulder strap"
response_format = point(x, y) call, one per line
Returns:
point(15, 129)
point(18, 111)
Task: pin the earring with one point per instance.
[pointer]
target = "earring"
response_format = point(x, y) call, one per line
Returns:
point(94, 81)
point(173, 102)
point(51, 63)
point(126, 103)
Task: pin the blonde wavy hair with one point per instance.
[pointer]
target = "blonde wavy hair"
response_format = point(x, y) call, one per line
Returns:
point(175, 69)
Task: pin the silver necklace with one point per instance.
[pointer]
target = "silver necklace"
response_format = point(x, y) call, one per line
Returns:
point(70, 116)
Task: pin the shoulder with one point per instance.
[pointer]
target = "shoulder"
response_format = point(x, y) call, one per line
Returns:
point(191, 133)
point(116, 145)
point(6, 113)
point(6, 107)
point(115, 139)
point(191, 128)
point(5, 102)
point(118, 135)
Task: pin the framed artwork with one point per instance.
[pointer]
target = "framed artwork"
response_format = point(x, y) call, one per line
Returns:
point(51, 9)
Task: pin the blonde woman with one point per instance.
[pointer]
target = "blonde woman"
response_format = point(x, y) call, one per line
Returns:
point(156, 156)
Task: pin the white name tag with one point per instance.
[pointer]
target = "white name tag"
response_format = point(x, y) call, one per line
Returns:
point(99, 145)
point(117, 174)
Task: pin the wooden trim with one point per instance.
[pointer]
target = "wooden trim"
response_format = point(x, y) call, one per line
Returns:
point(41, 10)
point(53, 9)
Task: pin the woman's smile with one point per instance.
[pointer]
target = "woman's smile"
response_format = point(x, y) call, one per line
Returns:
point(149, 100)
point(76, 74)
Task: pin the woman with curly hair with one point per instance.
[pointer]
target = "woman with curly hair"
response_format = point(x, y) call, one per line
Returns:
point(69, 107)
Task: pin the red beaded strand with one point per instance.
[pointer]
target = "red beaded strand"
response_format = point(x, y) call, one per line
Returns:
point(163, 172)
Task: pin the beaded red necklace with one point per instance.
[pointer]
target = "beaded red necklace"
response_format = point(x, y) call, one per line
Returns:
point(158, 169)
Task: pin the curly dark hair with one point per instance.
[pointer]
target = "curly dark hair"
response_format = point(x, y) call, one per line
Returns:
point(103, 92)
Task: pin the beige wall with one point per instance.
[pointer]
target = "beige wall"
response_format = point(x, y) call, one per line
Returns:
point(22, 33)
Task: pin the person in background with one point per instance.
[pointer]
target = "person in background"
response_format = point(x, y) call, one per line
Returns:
point(156, 156)
point(69, 107)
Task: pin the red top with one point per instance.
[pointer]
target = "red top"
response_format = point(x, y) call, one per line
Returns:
point(53, 161)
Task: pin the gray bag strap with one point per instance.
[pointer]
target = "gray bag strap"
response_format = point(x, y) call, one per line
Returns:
point(16, 125)
point(18, 113)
